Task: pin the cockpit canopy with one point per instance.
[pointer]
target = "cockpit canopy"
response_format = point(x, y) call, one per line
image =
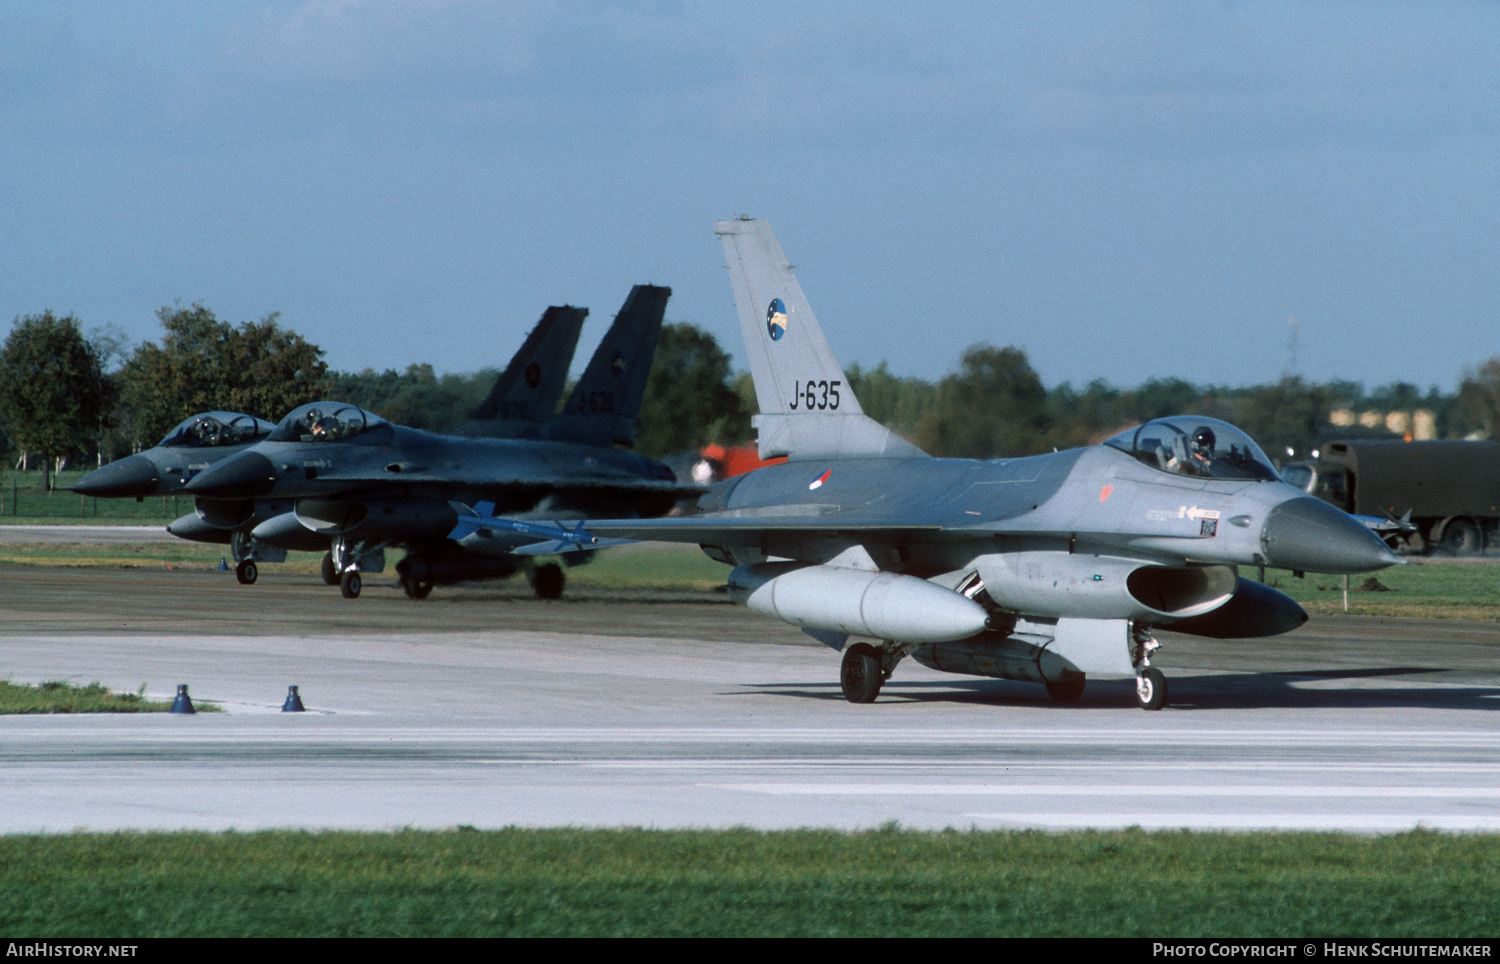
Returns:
point(210, 429)
point(324, 422)
point(1194, 446)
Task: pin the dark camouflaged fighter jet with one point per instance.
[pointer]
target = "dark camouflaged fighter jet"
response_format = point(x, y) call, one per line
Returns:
point(521, 404)
point(194, 445)
point(1049, 568)
point(365, 484)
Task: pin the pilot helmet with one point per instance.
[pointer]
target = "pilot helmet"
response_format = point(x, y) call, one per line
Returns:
point(1204, 440)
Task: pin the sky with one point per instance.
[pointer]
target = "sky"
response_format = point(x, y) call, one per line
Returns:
point(1220, 192)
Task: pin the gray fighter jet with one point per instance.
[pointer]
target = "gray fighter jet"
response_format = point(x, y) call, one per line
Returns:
point(1049, 568)
point(523, 400)
point(366, 484)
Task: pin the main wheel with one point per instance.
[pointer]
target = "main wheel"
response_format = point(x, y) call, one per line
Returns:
point(246, 572)
point(1151, 689)
point(547, 581)
point(1066, 691)
point(330, 574)
point(415, 589)
point(349, 585)
point(1463, 538)
point(860, 676)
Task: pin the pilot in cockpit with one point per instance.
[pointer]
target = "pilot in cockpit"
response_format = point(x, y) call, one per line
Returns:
point(1201, 451)
point(1194, 455)
point(317, 425)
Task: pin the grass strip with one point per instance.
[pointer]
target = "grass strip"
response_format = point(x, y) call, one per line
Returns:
point(888, 882)
point(653, 565)
point(1423, 590)
point(1430, 590)
point(57, 696)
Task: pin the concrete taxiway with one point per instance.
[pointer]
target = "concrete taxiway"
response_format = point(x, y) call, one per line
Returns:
point(484, 707)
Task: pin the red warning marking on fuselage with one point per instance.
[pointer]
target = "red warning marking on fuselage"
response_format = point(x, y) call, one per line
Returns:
point(1104, 492)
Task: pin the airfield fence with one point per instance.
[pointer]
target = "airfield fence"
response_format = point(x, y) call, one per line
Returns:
point(24, 497)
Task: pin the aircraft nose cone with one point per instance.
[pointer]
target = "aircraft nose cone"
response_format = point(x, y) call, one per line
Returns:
point(123, 478)
point(1310, 535)
point(242, 476)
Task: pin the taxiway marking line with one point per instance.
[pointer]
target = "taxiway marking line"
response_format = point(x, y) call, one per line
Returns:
point(1073, 790)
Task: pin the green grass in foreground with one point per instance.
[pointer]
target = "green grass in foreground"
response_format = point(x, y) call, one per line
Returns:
point(59, 697)
point(886, 883)
point(1433, 590)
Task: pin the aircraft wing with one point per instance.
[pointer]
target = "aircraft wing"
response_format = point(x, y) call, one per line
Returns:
point(732, 529)
point(467, 486)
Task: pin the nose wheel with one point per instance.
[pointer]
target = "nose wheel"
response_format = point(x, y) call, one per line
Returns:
point(1150, 682)
point(1150, 688)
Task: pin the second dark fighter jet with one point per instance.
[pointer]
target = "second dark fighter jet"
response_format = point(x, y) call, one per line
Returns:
point(366, 484)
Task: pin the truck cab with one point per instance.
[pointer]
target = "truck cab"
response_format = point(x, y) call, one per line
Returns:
point(1449, 491)
point(1327, 481)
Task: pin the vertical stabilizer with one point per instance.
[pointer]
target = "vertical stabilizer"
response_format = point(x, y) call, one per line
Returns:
point(807, 408)
point(605, 406)
point(526, 393)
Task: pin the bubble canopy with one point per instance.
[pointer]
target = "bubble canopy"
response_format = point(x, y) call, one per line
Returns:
point(324, 422)
point(1194, 446)
point(209, 429)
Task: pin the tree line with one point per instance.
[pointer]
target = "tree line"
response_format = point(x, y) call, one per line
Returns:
point(67, 395)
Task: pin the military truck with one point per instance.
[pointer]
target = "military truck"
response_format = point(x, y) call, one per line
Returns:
point(1448, 491)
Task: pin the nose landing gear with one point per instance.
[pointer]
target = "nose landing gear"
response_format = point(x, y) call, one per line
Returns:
point(1150, 682)
point(346, 560)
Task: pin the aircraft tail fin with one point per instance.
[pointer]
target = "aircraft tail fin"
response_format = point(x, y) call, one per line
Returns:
point(528, 390)
point(605, 406)
point(807, 408)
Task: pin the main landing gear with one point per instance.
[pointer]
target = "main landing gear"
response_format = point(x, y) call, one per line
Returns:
point(246, 572)
point(415, 588)
point(865, 669)
point(547, 580)
point(1066, 691)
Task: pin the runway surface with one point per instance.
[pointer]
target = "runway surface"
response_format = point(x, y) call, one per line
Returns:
point(484, 707)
